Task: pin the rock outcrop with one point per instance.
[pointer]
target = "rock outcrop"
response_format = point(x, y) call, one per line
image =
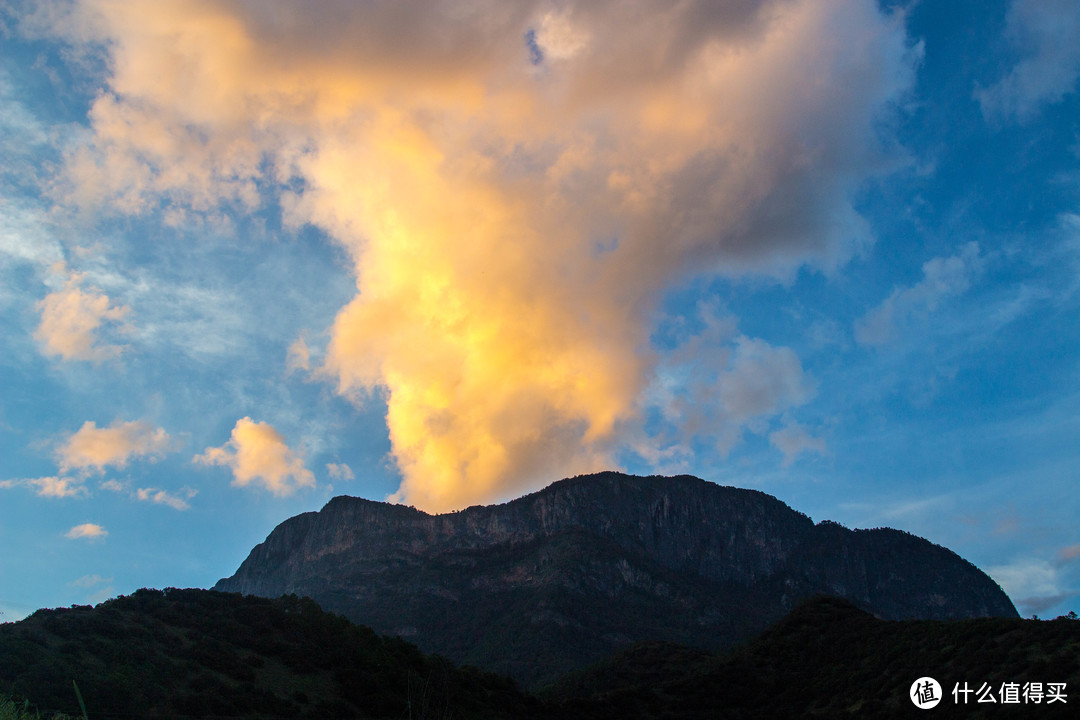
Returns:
point(565, 576)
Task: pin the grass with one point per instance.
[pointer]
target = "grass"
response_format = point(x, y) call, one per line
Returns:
point(11, 710)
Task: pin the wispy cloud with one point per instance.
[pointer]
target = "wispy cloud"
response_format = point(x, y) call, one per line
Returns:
point(51, 486)
point(943, 277)
point(1045, 31)
point(89, 581)
point(298, 356)
point(163, 497)
point(1034, 585)
point(339, 471)
point(793, 440)
point(715, 386)
point(88, 531)
point(58, 487)
point(258, 456)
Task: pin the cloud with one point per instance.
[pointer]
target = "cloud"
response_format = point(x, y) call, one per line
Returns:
point(71, 319)
point(89, 531)
point(58, 487)
point(763, 380)
point(89, 581)
point(1034, 585)
point(257, 454)
point(339, 471)
point(793, 440)
point(714, 385)
point(1046, 31)
point(298, 356)
point(162, 497)
point(559, 38)
point(517, 185)
point(943, 277)
point(94, 448)
point(1069, 553)
point(24, 237)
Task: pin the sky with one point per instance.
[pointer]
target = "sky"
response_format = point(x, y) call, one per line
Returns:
point(256, 254)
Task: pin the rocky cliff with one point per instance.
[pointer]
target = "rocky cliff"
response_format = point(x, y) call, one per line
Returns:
point(566, 575)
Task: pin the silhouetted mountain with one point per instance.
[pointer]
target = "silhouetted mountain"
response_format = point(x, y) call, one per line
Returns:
point(199, 653)
point(205, 654)
point(564, 577)
point(829, 659)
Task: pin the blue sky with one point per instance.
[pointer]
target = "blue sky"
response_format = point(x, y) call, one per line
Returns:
point(253, 258)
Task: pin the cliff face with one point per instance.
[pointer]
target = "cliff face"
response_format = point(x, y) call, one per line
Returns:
point(564, 576)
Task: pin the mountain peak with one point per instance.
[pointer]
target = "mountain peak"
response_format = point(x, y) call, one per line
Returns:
point(593, 563)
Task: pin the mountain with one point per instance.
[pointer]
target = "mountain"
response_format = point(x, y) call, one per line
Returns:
point(203, 654)
point(565, 576)
point(197, 653)
point(829, 659)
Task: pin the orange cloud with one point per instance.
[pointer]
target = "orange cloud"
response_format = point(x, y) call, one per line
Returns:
point(70, 320)
point(94, 448)
point(257, 454)
point(517, 184)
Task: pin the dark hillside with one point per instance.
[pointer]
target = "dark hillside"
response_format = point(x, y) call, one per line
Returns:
point(200, 653)
point(829, 659)
point(204, 654)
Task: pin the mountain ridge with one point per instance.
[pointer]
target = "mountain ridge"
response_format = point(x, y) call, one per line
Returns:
point(566, 575)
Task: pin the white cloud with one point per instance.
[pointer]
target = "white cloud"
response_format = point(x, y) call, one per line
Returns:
point(340, 471)
point(58, 487)
point(24, 237)
point(1034, 585)
point(200, 321)
point(1046, 31)
point(162, 497)
point(89, 581)
point(258, 455)
point(88, 531)
point(943, 277)
point(714, 386)
point(559, 38)
point(52, 486)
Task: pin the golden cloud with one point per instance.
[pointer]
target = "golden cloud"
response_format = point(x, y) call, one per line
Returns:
point(517, 183)
point(94, 448)
point(257, 454)
point(70, 320)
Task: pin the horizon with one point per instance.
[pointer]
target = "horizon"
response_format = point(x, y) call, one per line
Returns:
point(255, 257)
